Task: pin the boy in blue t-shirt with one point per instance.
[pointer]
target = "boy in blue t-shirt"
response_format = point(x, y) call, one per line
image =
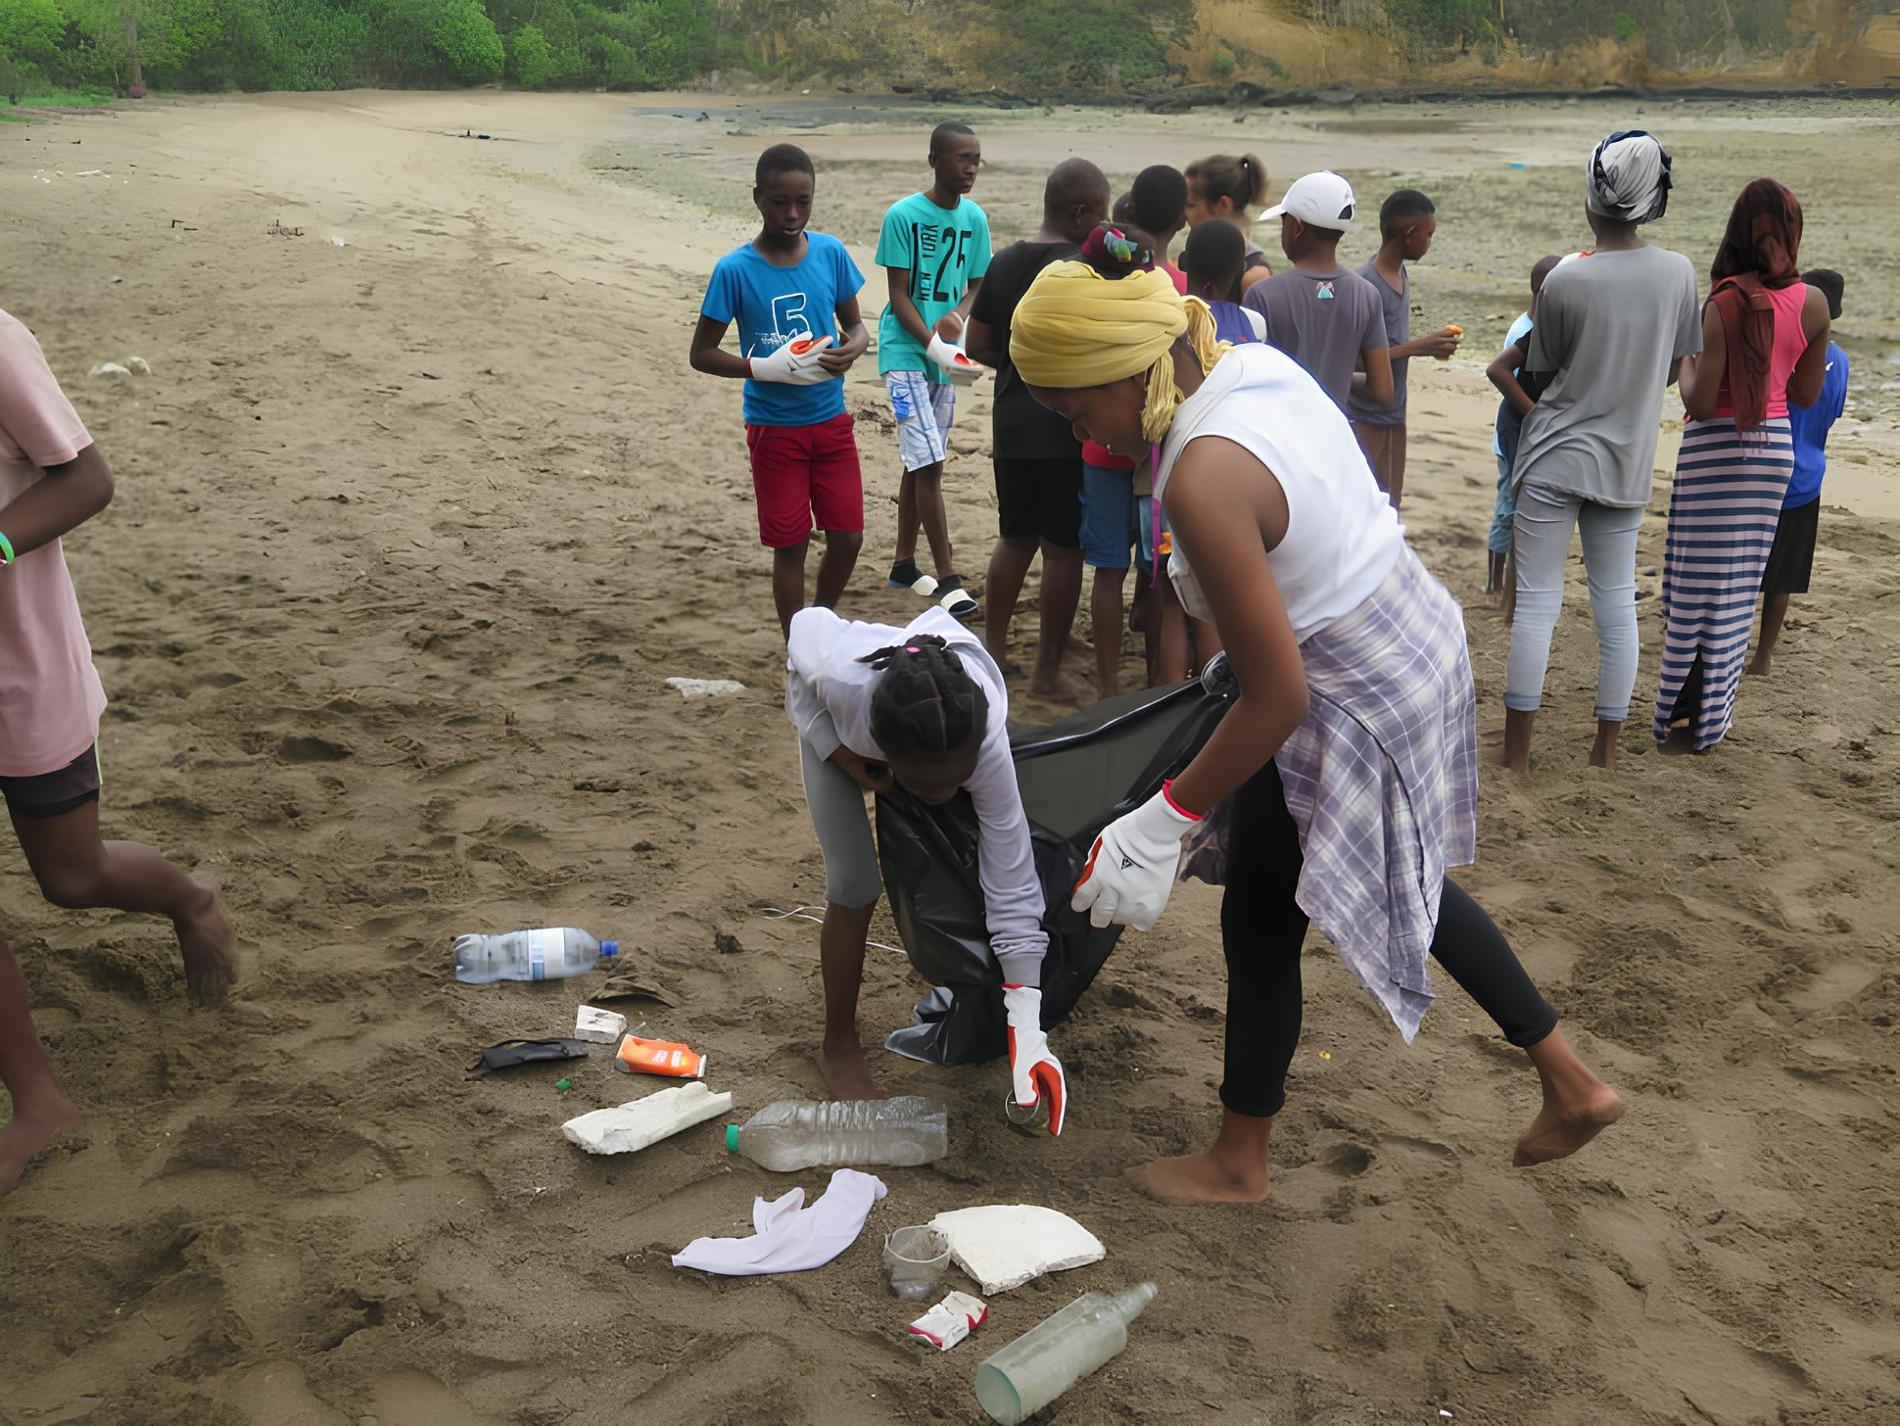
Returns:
point(934, 248)
point(794, 295)
point(1791, 561)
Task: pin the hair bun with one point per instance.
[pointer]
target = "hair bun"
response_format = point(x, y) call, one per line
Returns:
point(1115, 250)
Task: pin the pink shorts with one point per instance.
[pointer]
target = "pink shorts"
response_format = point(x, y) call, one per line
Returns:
point(805, 476)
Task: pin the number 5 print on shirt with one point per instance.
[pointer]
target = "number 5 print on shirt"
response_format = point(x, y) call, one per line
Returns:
point(788, 318)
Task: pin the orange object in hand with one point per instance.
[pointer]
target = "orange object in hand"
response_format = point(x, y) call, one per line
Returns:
point(805, 344)
point(662, 1057)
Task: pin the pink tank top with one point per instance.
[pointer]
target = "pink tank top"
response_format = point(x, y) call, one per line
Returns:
point(1790, 342)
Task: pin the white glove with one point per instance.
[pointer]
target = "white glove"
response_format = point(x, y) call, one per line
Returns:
point(790, 365)
point(1035, 1071)
point(1132, 866)
point(955, 362)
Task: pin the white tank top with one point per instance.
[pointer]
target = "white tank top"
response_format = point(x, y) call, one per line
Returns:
point(1342, 535)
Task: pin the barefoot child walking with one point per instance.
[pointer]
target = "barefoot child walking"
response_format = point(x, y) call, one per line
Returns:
point(52, 480)
point(1346, 772)
point(794, 294)
point(923, 708)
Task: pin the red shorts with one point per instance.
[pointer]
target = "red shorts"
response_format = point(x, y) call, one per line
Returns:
point(806, 475)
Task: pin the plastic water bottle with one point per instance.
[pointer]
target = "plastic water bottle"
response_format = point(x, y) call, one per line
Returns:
point(1057, 1352)
point(551, 954)
point(798, 1134)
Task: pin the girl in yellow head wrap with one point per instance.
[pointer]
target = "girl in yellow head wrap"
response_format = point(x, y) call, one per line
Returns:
point(1077, 330)
point(1341, 784)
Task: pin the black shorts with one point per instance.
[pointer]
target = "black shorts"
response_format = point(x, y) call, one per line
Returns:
point(1040, 499)
point(54, 794)
point(1791, 561)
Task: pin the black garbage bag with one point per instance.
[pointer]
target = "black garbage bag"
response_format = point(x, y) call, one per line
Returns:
point(1077, 775)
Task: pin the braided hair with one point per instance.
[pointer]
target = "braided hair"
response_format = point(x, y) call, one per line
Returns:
point(925, 705)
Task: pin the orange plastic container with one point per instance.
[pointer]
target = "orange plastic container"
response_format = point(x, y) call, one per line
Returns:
point(635, 1055)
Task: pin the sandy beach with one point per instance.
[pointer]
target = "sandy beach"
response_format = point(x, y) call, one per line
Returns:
point(412, 526)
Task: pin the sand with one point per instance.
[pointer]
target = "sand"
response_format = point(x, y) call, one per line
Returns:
point(408, 534)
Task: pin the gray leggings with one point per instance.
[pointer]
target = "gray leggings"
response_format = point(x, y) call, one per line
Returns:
point(1541, 547)
point(844, 831)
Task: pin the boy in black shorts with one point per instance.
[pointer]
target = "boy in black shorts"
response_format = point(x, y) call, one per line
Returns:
point(1037, 457)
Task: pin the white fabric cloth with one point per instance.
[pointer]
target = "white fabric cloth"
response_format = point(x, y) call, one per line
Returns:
point(789, 1237)
point(1343, 536)
point(828, 699)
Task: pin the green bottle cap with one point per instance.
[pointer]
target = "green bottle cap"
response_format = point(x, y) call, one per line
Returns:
point(732, 1138)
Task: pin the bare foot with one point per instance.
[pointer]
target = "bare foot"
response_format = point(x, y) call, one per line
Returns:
point(1559, 1130)
point(1198, 1178)
point(847, 1074)
point(1505, 759)
point(1603, 755)
point(209, 946)
point(28, 1134)
point(1052, 686)
point(1758, 666)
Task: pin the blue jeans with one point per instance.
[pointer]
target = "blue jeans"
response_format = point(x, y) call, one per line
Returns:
point(1541, 546)
point(1499, 542)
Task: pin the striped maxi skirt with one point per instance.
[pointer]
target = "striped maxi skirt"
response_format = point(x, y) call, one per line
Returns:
point(1722, 518)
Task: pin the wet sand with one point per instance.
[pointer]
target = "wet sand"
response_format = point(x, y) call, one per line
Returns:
point(408, 534)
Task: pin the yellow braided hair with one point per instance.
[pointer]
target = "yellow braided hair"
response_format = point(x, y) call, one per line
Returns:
point(1077, 328)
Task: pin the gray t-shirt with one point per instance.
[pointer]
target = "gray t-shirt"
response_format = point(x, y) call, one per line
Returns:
point(1323, 320)
point(1611, 326)
point(1398, 331)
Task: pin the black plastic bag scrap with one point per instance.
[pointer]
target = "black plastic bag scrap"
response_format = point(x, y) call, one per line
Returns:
point(1076, 775)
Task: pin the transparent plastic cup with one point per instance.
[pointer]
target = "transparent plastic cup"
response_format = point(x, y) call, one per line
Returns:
point(1029, 1119)
point(916, 1259)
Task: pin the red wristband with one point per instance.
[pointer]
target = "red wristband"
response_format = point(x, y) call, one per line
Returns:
point(1167, 791)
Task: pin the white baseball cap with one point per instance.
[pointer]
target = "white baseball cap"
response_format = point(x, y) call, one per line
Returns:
point(1320, 200)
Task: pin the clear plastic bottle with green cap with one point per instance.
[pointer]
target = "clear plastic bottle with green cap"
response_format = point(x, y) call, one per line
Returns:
point(1057, 1352)
point(799, 1134)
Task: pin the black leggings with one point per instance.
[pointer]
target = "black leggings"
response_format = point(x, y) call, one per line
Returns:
point(1262, 928)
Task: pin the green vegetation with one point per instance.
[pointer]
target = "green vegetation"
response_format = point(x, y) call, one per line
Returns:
point(67, 45)
point(60, 47)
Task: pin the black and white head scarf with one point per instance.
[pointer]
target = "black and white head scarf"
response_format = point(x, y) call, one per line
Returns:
point(1628, 177)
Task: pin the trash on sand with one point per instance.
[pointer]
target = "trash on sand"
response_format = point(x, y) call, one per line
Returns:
point(636, 1055)
point(624, 987)
point(790, 1237)
point(140, 366)
point(563, 1086)
point(1057, 1352)
point(510, 1053)
point(640, 1122)
point(603, 1027)
point(951, 1320)
point(1004, 1245)
point(552, 953)
point(337, 242)
point(914, 1261)
point(278, 230)
point(795, 1134)
point(110, 368)
point(705, 687)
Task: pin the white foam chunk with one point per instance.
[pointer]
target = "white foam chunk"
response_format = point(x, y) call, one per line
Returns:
point(1004, 1245)
point(603, 1027)
point(705, 687)
point(640, 1122)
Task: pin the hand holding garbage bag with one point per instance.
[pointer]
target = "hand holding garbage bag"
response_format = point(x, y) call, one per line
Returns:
point(1033, 1071)
point(1131, 868)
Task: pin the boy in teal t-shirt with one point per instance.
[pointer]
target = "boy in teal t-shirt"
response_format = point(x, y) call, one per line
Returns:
point(934, 248)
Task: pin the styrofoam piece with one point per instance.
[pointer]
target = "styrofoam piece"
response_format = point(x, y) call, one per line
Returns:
point(1004, 1245)
point(603, 1027)
point(640, 1122)
point(705, 687)
point(110, 368)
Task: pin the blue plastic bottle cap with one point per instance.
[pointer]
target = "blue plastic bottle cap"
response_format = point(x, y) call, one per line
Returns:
point(732, 1138)
point(609, 949)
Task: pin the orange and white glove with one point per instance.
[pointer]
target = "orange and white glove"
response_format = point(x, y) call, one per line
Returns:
point(1033, 1069)
point(794, 363)
point(956, 363)
point(1131, 869)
